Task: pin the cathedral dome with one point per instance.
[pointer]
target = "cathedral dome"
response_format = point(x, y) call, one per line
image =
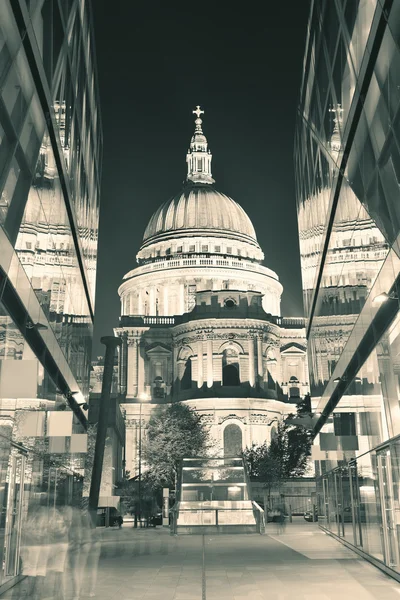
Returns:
point(198, 209)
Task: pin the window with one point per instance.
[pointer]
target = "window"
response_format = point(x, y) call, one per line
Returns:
point(28, 245)
point(204, 248)
point(158, 253)
point(239, 252)
point(344, 423)
point(179, 249)
point(229, 250)
point(229, 303)
point(217, 248)
point(168, 251)
point(192, 248)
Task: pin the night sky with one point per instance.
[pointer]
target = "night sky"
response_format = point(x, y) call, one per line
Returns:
point(156, 61)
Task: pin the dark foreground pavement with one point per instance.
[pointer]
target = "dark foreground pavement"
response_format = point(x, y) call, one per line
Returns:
point(300, 564)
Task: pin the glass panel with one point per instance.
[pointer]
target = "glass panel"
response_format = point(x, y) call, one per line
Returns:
point(4, 457)
point(14, 513)
point(391, 546)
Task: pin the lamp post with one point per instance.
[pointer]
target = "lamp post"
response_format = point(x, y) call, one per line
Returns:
point(143, 398)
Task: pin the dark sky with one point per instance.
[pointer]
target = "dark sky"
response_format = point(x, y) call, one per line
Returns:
point(242, 62)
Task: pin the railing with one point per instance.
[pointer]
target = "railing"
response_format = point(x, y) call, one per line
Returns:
point(292, 322)
point(145, 321)
point(127, 321)
point(193, 262)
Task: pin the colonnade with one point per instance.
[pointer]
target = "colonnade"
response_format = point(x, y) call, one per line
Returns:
point(251, 365)
point(171, 298)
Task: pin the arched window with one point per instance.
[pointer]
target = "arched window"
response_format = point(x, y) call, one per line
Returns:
point(186, 381)
point(232, 440)
point(230, 367)
point(230, 375)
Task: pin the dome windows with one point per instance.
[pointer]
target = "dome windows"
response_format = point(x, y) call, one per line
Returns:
point(230, 303)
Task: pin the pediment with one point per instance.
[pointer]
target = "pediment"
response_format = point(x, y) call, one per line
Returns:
point(293, 348)
point(159, 349)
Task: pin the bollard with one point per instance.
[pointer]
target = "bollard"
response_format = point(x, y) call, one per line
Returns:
point(290, 514)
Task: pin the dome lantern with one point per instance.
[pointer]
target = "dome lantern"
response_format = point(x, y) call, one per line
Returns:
point(199, 157)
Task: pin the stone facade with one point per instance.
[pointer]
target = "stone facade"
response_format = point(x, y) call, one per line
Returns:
point(200, 320)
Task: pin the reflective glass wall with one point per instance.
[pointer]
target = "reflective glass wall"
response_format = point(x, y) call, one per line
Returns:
point(347, 161)
point(360, 503)
point(50, 157)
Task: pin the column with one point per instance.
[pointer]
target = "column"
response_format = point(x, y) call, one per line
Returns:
point(140, 303)
point(210, 377)
point(122, 364)
point(141, 381)
point(165, 310)
point(251, 362)
point(132, 383)
point(152, 300)
point(175, 380)
point(259, 358)
point(181, 297)
point(199, 363)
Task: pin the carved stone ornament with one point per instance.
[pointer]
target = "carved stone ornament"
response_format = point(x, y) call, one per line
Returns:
point(231, 416)
point(208, 418)
point(132, 341)
point(259, 419)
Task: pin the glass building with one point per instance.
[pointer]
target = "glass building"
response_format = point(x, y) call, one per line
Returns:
point(347, 161)
point(50, 157)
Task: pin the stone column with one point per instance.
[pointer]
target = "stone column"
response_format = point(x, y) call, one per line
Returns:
point(141, 375)
point(152, 301)
point(259, 358)
point(122, 364)
point(181, 297)
point(199, 363)
point(210, 377)
point(165, 309)
point(132, 370)
point(251, 361)
point(140, 303)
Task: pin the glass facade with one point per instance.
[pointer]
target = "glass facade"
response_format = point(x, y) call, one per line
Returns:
point(347, 165)
point(50, 162)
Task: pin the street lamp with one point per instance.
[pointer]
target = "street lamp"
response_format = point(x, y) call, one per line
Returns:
point(142, 398)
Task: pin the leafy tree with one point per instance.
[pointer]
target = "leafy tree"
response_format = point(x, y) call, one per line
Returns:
point(304, 406)
point(174, 432)
point(128, 489)
point(286, 456)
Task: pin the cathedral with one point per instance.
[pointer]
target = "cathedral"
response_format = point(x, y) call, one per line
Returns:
point(201, 323)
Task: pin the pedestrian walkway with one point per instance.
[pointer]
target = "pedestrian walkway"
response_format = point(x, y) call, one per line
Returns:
point(302, 563)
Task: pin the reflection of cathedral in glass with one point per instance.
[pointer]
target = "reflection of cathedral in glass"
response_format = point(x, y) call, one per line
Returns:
point(50, 151)
point(347, 153)
point(200, 318)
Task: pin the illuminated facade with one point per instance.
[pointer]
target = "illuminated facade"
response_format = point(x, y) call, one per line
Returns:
point(50, 147)
point(200, 319)
point(347, 156)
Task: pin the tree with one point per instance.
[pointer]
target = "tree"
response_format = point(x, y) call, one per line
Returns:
point(286, 456)
point(128, 489)
point(174, 432)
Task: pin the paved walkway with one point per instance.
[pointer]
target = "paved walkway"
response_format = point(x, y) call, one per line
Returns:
point(302, 563)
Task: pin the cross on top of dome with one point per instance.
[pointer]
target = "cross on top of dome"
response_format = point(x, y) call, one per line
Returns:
point(198, 111)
